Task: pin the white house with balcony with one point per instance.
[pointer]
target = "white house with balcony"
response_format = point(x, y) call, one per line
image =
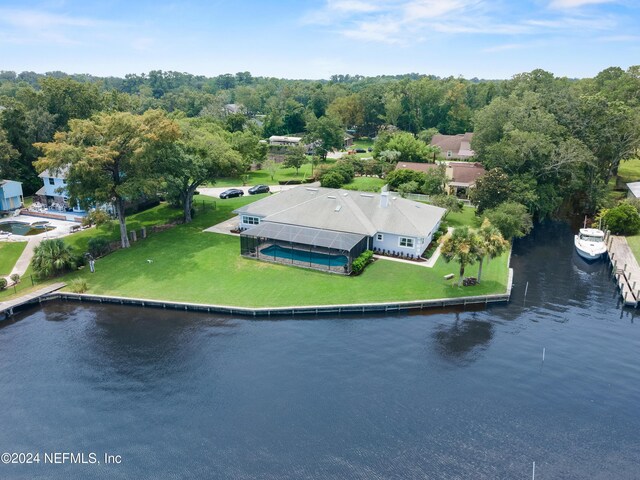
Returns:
point(54, 191)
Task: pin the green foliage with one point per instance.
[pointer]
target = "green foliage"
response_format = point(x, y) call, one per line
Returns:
point(435, 180)
point(360, 263)
point(622, 219)
point(98, 246)
point(53, 257)
point(338, 175)
point(511, 218)
point(491, 190)
point(407, 188)
point(15, 278)
point(463, 247)
point(326, 133)
point(403, 176)
point(410, 148)
point(96, 217)
point(450, 202)
point(3, 283)
point(295, 158)
point(78, 285)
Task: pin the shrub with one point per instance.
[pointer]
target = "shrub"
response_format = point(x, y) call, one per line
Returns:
point(98, 246)
point(407, 188)
point(3, 283)
point(15, 278)
point(332, 180)
point(622, 219)
point(53, 257)
point(97, 217)
point(79, 285)
point(359, 264)
point(513, 220)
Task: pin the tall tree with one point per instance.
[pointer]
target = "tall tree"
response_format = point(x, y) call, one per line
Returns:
point(462, 247)
point(202, 155)
point(326, 133)
point(491, 244)
point(110, 158)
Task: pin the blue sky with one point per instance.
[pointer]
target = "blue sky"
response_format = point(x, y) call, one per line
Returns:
point(318, 38)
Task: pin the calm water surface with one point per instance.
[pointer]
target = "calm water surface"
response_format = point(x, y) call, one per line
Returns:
point(437, 395)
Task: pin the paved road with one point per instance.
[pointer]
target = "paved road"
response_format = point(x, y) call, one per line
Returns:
point(216, 191)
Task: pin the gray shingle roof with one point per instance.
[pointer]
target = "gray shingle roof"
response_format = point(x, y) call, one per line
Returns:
point(346, 211)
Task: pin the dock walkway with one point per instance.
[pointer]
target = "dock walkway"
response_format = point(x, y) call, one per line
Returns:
point(625, 269)
point(7, 308)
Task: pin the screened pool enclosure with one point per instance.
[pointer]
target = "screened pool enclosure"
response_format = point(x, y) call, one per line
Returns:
point(303, 246)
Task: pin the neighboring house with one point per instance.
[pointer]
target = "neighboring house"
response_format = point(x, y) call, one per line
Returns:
point(326, 229)
point(454, 146)
point(462, 175)
point(634, 190)
point(285, 141)
point(231, 108)
point(54, 190)
point(348, 140)
point(10, 195)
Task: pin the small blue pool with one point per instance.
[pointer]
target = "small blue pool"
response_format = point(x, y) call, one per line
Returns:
point(304, 256)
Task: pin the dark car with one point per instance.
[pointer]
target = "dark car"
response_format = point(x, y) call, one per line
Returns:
point(232, 192)
point(259, 189)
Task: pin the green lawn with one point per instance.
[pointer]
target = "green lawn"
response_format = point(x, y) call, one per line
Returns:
point(466, 217)
point(190, 265)
point(9, 254)
point(629, 170)
point(262, 176)
point(634, 243)
point(366, 184)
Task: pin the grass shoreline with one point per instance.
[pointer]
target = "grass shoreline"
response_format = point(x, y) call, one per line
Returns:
point(189, 265)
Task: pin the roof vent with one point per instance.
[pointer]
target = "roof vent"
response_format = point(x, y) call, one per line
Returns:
point(312, 189)
point(338, 207)
point(331, 196)
point(345, 194)
point(367, 195)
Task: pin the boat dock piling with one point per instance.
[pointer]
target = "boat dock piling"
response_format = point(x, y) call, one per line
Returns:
point(625, 268)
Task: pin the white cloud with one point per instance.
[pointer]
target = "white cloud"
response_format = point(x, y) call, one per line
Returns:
point(356, 6)
point(576, 3)
point(33, 19)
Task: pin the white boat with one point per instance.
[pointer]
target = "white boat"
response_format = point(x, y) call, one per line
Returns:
point(590, 243)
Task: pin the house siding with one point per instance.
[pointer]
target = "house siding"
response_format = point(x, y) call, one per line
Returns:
point(10, 195)
point(244, 226)
point(51, 190)
point(391, 242)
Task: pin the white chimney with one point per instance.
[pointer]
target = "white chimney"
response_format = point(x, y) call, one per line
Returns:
point(384, 199)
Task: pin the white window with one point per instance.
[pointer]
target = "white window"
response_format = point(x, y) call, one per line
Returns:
point(379, 237)
point(406, 242)
point(250, 220)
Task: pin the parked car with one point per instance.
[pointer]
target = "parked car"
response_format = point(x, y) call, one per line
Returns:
point(232, 192)
point(259, 189)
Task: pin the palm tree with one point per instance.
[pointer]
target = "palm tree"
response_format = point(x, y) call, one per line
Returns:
point(52, 257)
point(463, 247)
point(491, 243)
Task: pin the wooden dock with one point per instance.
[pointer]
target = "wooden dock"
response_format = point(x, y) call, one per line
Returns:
point(7, 308)
point(625, 269)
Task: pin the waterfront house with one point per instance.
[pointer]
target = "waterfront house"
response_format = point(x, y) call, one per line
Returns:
point(10, 195)
point(454, 146)
point(461, 176)
point(325, 228)
point(54, 190)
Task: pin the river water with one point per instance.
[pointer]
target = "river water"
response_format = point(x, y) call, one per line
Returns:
point(438, 395)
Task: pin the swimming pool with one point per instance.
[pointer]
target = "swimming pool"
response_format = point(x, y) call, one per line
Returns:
point(25, 229)
point(304, 256)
